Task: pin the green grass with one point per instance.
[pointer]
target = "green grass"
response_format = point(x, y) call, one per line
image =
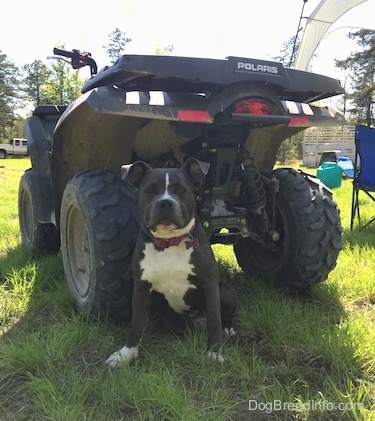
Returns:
point(290, 353)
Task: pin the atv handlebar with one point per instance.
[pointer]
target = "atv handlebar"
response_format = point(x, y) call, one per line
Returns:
point(78, 59)
point(64, 53)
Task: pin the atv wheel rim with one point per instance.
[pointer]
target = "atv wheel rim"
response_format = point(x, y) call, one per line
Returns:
point(78, 251)
point(27, 218)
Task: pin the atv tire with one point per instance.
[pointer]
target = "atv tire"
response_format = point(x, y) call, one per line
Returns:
point(308, 222)
point(42, 238)
point(98, 233)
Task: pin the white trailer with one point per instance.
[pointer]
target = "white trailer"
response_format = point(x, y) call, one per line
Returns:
point(317, 140)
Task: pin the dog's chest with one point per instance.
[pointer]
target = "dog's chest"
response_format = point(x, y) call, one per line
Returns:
point(168, 273)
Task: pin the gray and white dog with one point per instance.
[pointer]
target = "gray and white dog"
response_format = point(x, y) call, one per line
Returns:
point(174, 267)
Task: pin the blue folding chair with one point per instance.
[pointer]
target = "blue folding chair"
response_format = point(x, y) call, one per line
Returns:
point(364, 171)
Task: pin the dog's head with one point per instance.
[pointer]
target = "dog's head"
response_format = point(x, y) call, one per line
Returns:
point(166, 195)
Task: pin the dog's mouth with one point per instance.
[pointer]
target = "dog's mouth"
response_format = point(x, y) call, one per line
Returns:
point(165, 225)
point(168, 228)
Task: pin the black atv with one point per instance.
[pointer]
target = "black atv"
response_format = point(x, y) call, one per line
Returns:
point(232, 113)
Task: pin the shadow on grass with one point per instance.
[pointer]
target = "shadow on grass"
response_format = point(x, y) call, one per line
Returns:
point(33, 282)
point(15, 258)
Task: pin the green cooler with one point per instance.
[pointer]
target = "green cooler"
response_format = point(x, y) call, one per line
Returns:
point(330, 174)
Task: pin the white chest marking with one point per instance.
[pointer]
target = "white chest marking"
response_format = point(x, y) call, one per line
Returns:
point(168, 271)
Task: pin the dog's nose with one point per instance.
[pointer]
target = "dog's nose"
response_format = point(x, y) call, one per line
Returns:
point(165, 203)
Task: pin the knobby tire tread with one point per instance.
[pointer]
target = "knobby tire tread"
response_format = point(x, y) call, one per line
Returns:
point(111, 209)
point(314, 233)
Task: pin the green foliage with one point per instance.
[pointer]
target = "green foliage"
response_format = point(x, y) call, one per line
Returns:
point(287, 53)
point(166, 50)
point(117, 44)
point(63, 85)
point(361, 67)
point(290, 149)
point(16, 130)
point(9, 93)
point(34, 84)
point(36, 75)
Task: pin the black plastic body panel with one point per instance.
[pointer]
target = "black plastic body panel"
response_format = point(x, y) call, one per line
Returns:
point(144, 107)
point(39, 130)
point(168, 73)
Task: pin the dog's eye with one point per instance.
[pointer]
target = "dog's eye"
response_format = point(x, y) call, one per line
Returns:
point(181, 190)
point(150, 189)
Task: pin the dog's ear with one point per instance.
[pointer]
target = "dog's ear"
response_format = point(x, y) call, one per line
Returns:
point(134, 172)
point(197, 170)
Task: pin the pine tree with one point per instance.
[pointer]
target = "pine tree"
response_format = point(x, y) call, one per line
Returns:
point(361, 68)
point(117, 44)
point(8, 94)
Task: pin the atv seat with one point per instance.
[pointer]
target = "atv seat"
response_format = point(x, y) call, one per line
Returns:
point(49, 109)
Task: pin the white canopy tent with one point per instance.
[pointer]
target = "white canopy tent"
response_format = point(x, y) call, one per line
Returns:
point(318, 23)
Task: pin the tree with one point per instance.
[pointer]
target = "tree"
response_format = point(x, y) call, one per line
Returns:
point(117, 44)
point(62, 86)
point(36, 76)
point(167, 50)
point(8, 93)
point(52, 83)
point(361, 67)
point(17, 129)
point(291, 148)
point(286, 52)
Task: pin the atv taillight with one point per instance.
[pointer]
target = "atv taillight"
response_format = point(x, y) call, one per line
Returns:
point(253, 106)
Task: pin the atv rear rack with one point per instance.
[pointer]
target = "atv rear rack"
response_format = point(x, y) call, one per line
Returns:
point(186, 74)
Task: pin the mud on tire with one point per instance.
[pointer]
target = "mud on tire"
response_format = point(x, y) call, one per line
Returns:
point(98, 232)
point(308, 222)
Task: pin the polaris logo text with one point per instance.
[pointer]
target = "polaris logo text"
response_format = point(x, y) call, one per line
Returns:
point(262, 68)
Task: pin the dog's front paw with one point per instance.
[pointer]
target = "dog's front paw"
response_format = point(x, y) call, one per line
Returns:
point(124, 356)
point(216, 353)
point(217, 356)
point(229, 331)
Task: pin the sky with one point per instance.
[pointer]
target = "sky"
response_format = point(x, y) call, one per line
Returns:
point(200, 28)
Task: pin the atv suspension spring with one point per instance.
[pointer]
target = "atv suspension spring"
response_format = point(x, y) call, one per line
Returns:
point(252, 191)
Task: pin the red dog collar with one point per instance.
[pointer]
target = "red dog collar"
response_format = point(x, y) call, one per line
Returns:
point(164, 243)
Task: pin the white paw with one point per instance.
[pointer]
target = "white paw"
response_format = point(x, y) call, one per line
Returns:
point(229, 332)
point(216, 356)
point(124, 356)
